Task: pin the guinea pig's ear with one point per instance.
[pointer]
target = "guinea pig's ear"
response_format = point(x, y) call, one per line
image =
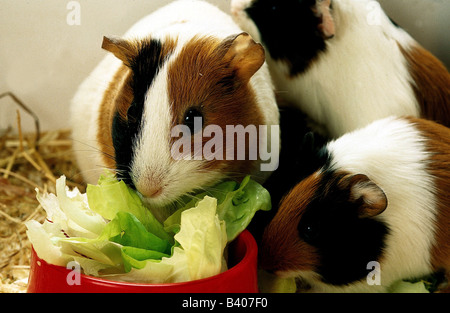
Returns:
point(326, 26)
point(123, 49)
point(245, 55)
point(370, 196)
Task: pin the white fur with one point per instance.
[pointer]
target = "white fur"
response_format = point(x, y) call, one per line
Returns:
point(153, 164)
point(391, 152)
point(360, 78)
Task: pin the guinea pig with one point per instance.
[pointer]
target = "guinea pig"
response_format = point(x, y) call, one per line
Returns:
point(382, 194)
point(186, 62)
point(345, 63)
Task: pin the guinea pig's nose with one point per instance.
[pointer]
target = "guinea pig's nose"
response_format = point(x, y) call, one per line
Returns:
point(149, 189)
point(152, 192)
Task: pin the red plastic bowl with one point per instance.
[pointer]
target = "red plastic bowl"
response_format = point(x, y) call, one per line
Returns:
point(240, 277)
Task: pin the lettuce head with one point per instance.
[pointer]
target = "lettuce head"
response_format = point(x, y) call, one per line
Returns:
point(111, 234)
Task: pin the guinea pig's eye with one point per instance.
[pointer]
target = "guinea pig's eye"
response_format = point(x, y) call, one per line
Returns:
point(308, 232)
point(193, 119)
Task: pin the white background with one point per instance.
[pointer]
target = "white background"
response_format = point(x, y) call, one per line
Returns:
point(43, 59)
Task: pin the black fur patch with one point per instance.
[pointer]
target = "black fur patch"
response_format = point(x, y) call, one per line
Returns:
point(145, 67)
point(345, 242)
point(289, 30)
point(302, 153)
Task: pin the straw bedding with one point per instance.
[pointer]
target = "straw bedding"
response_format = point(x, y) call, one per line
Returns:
point(26, 164)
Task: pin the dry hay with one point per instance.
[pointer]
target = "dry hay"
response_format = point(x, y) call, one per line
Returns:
point(27, 161)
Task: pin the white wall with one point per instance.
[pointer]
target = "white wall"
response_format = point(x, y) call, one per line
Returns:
point(427, 20)
point(43, 58)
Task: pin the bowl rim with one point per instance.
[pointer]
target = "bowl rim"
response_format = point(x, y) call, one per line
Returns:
point(245, 236)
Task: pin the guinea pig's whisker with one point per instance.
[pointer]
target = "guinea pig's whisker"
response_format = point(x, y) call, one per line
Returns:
point(93, 149)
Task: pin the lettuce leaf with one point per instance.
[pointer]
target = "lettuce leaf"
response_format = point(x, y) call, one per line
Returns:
point(111, 234)
point(408, 287)
point(138, 258)
point(68, 215)
point(127, 230)
point(202, 239)
point(171, 269)
point(76, 210)
point(237, 204)
point(238, 207)
point(203, 236)
point(110, 196)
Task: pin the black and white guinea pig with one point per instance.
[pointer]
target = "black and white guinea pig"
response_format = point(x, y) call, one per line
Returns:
point(186, 60)
point(381, 194)
point(345, 63)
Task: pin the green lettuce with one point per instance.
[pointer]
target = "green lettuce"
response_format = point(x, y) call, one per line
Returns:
point(271, 283)
point(202, 239)
point(203, 236)
point(111, 234)
point(110, 196)
point(408, 287)
point(237, 204)
point(127, 230)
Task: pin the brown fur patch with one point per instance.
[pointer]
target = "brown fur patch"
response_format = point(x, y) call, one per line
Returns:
point(439, 145)
point(202, 77)
point(117, 98)
point(432, 84)
point(281, 248)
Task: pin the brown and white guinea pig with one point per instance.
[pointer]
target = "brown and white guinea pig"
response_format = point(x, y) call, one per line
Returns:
point(184, 61)
point(381, 194)
point(345, 63)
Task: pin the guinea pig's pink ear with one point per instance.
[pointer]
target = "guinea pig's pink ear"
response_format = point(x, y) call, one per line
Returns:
point(372, 199)
point(245, 55)
point(123, 49)
point(322, 10)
